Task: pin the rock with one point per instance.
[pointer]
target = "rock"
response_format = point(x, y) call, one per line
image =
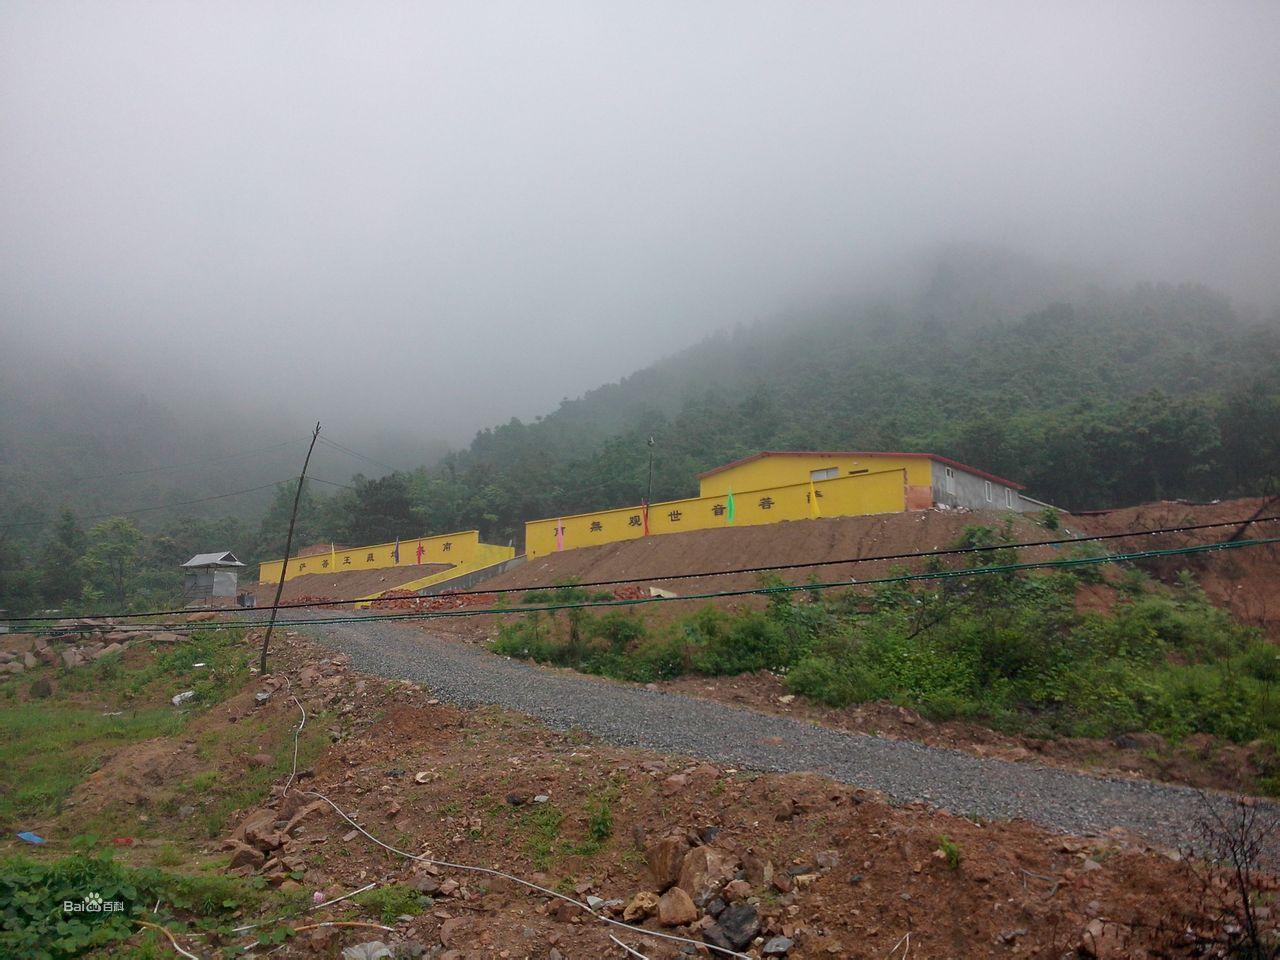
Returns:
point(541, 798)
point(243, 855)
point(1101, 942)
point(759, 870)
point(373, 950)
point(665, 858)
point(108, 650)
point(310, 810)
point(408, 950)
point(203, 616)
point(674, 783)
point(178, 699)
point(640, 906)
point(425, 883)
point(71, 658)
point(166, 637)
point(827, 859)
point(29, 660)
point(449, 930)
point(1091, 866)
point(14, 666)
point(566, 912)
point(308, 676)
point(736, 890)
point(517, 799)
point(734, 928)
point(595, 903)
point(675, 909)
point(261, 760)
point(704, 871)
point(716, 906)
point(778, 946)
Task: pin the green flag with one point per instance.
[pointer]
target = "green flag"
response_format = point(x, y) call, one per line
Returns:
point(728, 516)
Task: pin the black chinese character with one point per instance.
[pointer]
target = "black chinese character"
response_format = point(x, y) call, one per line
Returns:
point(596, 526)
point(448, 545)
point(346, 561)
point(369, 558)
point(719, 509)
point(633, 520)
point(302, 566)
point(324, 563)
point(766, 503)
point(674, 516)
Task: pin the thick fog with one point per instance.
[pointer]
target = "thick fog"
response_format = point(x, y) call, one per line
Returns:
point(446, 214)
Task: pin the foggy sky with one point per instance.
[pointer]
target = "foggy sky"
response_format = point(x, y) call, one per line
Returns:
point(450, 214)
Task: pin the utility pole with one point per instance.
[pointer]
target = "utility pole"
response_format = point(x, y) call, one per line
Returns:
point(288, 546)
point(648, 497)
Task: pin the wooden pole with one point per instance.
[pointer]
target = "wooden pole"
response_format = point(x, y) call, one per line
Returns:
point(288, 546)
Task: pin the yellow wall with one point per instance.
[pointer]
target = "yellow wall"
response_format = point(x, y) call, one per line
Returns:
point(883, 491)
point(782, 470)
point(455, 548)
point(486, 555)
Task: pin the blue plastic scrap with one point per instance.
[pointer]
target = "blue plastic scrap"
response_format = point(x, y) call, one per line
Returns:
point(30, 837)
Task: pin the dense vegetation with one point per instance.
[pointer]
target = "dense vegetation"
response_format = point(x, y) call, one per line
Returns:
point(1009, 650)
point(1110, 400)
point(1102, 399)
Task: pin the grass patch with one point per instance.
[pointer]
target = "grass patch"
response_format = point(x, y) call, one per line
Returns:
point(35, 925)
point(392, 901)
point(1008, 650)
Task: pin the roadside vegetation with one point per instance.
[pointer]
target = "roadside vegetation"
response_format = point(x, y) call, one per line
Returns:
point(1008, 650)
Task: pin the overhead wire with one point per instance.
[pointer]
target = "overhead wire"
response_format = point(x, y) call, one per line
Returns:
point(767, 568)
point(359, 456)
point(959, 573)
point(149, 509)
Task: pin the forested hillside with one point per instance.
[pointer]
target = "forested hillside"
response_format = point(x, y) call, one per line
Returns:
point(1101, 400)
point(1090, 397)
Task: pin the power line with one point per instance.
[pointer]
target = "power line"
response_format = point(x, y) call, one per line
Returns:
point(183, 466)
point(357, 455)
point(953, 551)
point(743, 592)
point(162, 506)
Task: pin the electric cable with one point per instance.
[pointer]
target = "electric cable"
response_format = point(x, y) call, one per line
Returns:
point(769, 568)
point(963, 572)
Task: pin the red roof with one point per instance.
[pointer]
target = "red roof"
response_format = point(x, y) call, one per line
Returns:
point(863, 453)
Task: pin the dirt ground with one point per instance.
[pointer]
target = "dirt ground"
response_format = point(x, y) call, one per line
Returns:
point(342, 586)
point(1245, 581)
point(835, 871)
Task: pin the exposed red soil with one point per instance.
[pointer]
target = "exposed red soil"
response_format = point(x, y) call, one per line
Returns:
point(852, 875)
point(1246, 581)
point(344, 586)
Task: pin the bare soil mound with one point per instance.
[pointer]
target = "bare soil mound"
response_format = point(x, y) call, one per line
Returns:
point(343, 586)
point(820, 540)
point(1246, 581)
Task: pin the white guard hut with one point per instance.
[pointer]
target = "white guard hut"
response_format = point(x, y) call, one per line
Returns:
point(210, 575)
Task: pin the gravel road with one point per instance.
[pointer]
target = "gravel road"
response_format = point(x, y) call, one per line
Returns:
point(627, 715)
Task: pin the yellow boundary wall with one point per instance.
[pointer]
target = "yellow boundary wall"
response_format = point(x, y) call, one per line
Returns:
point(883, 491)
point(459, 549)
point(488, 555)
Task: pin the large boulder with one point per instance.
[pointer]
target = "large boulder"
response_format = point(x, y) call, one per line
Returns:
point(675, 909)
point(704, 871)
point(736, 927)
point(665, 858)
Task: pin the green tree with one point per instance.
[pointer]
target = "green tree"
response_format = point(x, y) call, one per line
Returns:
point(61, 565)
point(112, 560)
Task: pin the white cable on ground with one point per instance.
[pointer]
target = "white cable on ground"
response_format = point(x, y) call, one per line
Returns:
point(630, 952)
point(490, 872)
